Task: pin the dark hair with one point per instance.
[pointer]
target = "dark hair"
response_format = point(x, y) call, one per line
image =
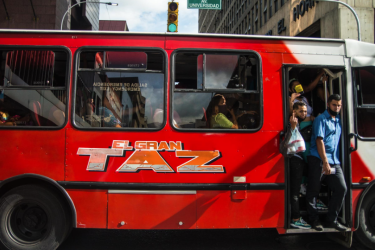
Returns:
point(291, 81)
point(335, 97)
point(296, 105)
point(214, 102)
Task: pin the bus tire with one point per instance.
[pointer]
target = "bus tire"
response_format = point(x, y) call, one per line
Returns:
point(32, 217)
point(366, 230)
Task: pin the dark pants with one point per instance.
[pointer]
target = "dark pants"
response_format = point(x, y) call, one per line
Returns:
point(336, 184)
point(297, 167)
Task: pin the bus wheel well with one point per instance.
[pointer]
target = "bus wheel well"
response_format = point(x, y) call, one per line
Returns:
point(45, 182)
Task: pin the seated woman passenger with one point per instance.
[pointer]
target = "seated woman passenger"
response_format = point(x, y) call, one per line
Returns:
point(216, 117)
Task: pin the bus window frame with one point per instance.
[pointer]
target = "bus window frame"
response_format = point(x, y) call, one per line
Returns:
point(121, 49)
point(67, 83)
point(217, 52)
point(357, 105)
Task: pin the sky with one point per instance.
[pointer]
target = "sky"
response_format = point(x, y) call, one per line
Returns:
point(150, 15)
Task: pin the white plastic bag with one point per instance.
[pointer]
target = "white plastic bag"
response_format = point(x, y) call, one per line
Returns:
point(296, 143)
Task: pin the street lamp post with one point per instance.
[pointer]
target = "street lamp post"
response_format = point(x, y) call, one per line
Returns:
point(352, 10)
point(107, 3)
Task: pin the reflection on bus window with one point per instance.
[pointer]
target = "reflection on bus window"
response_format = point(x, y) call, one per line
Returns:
point(218, 91)
point(32, 90)
point(364, 79)
point(121, 99)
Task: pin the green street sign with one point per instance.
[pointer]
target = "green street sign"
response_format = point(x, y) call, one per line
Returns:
point(204, 4)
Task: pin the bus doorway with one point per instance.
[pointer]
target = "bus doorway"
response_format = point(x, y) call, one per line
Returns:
point(318, 83)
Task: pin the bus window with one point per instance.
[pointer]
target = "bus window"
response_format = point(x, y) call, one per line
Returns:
point(364, 80)
point(216, 91)
point(120, 89)
point(33, 87)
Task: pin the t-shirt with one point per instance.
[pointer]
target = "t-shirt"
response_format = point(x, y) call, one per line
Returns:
point(220, 121)
point(303, 125)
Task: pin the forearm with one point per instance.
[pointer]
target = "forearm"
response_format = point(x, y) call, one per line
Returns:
point(312, 85)
point(234, 120)
point(291, 102)
point(321, 150)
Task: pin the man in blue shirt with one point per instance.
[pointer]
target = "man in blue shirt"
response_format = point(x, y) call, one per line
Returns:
point(324, 164)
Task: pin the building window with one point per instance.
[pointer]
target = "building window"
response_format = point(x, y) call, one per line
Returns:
point(256, 17)
point(212, 78)
point(249, 28)
point(276, 5)
point(265, 11)
point(270, 10)
point(260, 14)
point(33, 88)
point(282, 2)
point(120, 90)
point(252, 20)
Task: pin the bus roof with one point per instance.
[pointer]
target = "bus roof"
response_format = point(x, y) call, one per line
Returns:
point(90, 32)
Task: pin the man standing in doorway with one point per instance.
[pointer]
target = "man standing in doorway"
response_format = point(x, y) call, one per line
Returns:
point(324, 164)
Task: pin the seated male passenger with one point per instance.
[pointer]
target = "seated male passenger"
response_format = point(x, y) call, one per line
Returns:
point(109, 119)
point(216, 117)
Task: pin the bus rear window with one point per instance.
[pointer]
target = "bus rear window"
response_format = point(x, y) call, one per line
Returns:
point(33, 88)
point(126, 90)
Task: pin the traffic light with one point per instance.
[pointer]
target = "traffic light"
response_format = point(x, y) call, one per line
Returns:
point(172, 17)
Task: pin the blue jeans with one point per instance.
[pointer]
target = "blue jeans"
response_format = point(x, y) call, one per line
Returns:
point(336, 184)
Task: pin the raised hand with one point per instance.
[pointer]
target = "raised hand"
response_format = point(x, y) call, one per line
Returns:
point(294, 96)
point(293, 121)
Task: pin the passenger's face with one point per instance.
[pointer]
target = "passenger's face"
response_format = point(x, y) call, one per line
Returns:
point(222, 101)
point(293, 86)
point(216, 110)
point(301, 112)
point(335, 105)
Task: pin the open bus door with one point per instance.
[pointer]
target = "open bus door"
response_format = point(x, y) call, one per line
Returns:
point(335, 85)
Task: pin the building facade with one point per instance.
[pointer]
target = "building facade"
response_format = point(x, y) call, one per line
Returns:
point(110, 25)
point(307, 18)
point(42, 14)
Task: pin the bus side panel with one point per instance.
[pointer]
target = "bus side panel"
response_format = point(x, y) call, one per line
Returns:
point(152, 211)
point(79, 39)
point(356, 194)
point(359, 158)
point(254, 156)
point(91, 207)
point(261, 209)
point(28, 151)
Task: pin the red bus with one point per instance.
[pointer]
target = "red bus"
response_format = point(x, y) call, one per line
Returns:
point(114, 130)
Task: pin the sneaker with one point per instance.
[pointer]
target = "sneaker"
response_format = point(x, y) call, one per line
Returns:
point(301, 224)
point(336, 226)
point(317, 226)
point(321, 206)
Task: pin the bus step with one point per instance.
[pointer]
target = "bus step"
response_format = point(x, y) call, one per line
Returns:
point(304, 212)
point(301, 231)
